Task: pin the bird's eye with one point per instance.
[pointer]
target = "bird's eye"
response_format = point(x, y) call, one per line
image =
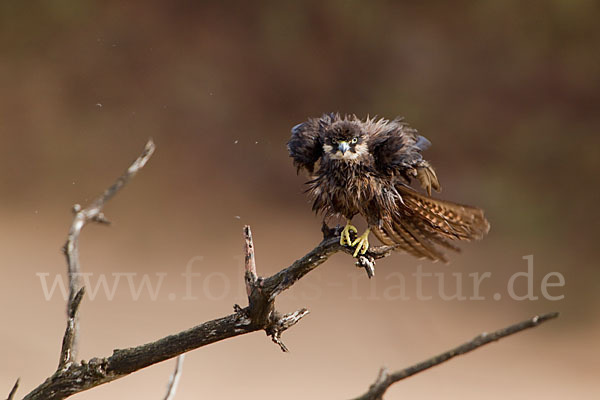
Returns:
point(333, 141)
point(354, 140)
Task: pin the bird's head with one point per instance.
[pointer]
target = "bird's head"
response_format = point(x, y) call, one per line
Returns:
point(344, 140)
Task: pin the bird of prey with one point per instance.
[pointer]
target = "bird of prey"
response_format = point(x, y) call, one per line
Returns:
point(366, 167)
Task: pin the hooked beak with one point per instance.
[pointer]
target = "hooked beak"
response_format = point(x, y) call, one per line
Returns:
point(343, 147)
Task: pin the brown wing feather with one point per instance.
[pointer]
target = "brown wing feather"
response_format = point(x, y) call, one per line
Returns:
point(421, 239)
point(455, 221)
point(397, 241)
point(400, 233)
point(423, 223)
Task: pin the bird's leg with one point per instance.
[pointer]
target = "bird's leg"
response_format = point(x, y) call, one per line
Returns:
point(345, 236)
point(361, 243)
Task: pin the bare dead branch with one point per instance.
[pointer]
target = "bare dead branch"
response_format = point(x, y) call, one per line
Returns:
point(11, 395)
point(174, 379)
point(260, 314)
point(385, 380)
point(71, 249)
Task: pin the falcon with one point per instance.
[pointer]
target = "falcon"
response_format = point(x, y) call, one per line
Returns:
point(367, 167)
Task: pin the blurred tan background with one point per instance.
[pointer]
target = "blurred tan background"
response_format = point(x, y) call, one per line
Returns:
point(508, 92)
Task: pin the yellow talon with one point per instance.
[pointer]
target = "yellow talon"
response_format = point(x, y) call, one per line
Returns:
point(361, 243)
point(345, 236)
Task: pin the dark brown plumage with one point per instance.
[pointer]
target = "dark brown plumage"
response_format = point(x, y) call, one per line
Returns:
point(365, 167)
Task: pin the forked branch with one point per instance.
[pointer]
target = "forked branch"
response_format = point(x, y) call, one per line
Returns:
point(93, 213)
point(72, 377)
point(260, 314)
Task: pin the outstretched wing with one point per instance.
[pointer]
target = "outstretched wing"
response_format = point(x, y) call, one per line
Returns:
point(422, 223)
point(396, 149)
point(418, 224)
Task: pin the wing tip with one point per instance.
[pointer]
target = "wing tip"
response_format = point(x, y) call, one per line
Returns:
point(422, 143)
